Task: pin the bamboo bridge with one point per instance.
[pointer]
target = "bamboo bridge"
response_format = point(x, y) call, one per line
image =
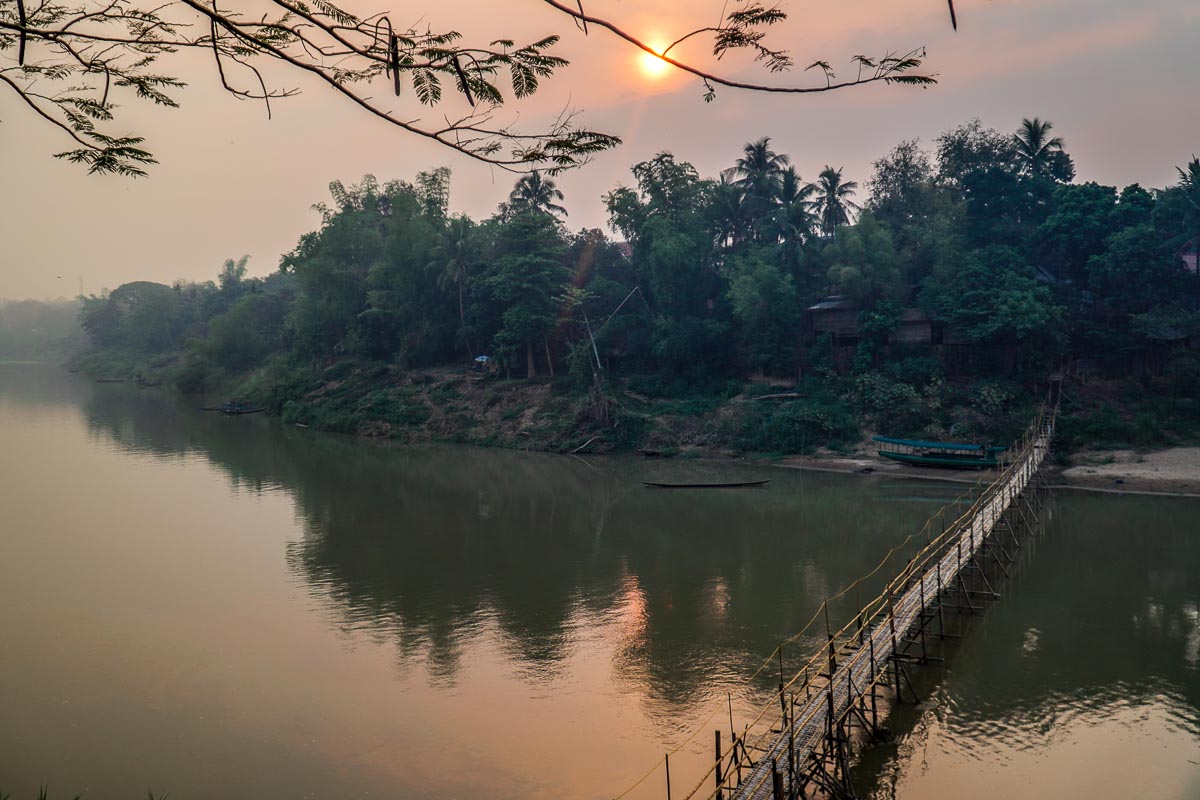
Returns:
point(802, 745)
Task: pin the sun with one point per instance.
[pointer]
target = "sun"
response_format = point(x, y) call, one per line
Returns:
point(653, 66)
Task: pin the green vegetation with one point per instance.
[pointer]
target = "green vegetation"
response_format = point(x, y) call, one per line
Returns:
point(34, 331)
point(753, 312)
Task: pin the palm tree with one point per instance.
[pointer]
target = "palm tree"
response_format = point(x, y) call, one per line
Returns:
point(452, 255)
point(728, 211)
point(535, 193)
point(1189, 182)
point(832, 202)
point(794, 219)
point(1035, 147)
point(758, 174)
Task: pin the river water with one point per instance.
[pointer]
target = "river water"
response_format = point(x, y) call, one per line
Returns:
point(222, 606)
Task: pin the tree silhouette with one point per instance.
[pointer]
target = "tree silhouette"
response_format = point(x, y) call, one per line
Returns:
point(1035, 146)
point(758, 174)
point(832, 202)
point(72, 62)
point(532, 192)
point(452, 255)
point(794, 218)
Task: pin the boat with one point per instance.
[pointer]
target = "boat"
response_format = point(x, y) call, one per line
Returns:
point(234, 408)
point(733, 485)
point(947, 455)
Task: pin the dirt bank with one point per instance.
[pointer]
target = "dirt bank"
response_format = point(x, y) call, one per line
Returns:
point(1174, 471)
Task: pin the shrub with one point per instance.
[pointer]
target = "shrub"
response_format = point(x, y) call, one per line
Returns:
point(795, 427)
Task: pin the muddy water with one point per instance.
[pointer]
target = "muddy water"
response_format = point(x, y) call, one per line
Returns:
point(204, 605)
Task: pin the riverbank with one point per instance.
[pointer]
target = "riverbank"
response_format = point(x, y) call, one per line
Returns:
point(1171, 471)
point(808, 427)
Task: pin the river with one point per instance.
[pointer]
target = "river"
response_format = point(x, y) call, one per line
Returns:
point(204, 605)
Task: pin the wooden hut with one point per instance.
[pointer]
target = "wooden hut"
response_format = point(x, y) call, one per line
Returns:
point(914, 328)
point(837, 317)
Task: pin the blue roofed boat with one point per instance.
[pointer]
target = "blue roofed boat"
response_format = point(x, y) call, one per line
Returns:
point(951, 455)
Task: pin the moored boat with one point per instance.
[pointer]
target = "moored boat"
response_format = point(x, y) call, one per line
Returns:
point(949, 455)
point(231, 407)
point(734, 485)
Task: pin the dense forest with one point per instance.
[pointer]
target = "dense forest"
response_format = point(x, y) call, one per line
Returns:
point(934, 299)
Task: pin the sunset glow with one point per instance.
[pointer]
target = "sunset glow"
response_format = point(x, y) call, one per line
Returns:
point(653, 66)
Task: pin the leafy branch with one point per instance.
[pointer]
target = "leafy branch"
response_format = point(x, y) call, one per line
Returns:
point(746, 28)
point(75, 57)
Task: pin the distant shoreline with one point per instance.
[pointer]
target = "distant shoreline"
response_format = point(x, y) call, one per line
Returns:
point(1170, 472)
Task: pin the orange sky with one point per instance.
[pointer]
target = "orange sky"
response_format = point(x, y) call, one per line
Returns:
point(1118, 79)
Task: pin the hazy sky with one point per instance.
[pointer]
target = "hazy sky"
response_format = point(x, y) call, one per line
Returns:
point(1120, 81)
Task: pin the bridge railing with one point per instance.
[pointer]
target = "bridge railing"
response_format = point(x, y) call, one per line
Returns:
point(849, 653)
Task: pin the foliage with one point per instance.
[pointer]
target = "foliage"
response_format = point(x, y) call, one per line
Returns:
point(764, 303)
point(864, 266)
point(70, 65)
point(528, 280)
point(796, 427)
point(1041, 154)
point(832, 200)
point(993, 297)
point(1017, 274)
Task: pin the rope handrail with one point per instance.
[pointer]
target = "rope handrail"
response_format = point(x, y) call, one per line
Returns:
point(864, 622)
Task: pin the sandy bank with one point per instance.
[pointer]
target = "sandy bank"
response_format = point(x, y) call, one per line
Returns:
point(1174, 471)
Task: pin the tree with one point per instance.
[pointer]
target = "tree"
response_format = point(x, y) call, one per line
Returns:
point(365, 281)
point(232, 273)
point(1040, 154)
point(453, 254)
point(900, 183)
point(1189, 189)
point(794, 220)
point(765, 303)
point(535, 193)
point(528, 280)
point(433, 187)
point(759, 174)
point(141, 315)
point(730, 220)
point(1136, 270)
point(982, 167)
point(863, 265)
point(72, 61)
point(1076, 229)
point(970, 149)
point(992, 296)
point(832, 201)
point(1189, 182)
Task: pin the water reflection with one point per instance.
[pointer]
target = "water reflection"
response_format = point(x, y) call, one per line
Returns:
point(1093, 649)
point(430, 545)
point(329, 608)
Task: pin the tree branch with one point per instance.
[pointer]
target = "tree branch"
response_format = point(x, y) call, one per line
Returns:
point(892, 68)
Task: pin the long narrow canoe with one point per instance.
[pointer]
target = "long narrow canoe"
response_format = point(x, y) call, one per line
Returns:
point(234, 409)
point(735, 485)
